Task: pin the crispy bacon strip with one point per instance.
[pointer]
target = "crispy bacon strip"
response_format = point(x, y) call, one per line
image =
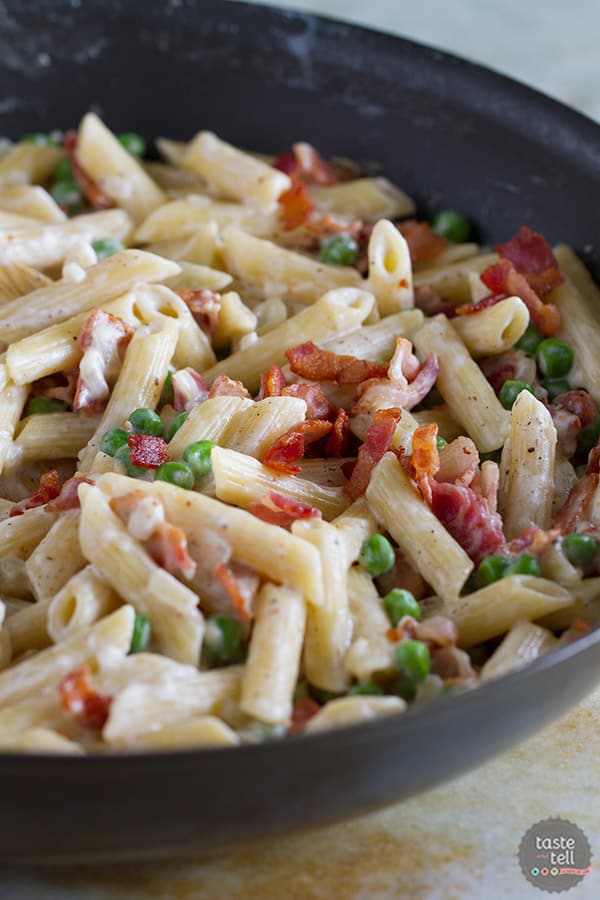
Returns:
point(68, 497)
point(48, 490)
point(376, 444)
point(339, 440)
point(189, 389)
point(88, 187)
point(295, 204)
point(168, 547)
point(310, 361)
point(576, 503)
point(534, 540)
point(423, 243)
point(317, 404)
point(425, 458)
point(272, 382)
point(405, 386)
point(431, 302)
point(531, 255)
point(224, 386)
point(468, 519)
point(148, 451)
point(579, 403)
point(469, 308)
point(503, 278)
point(205, 306)
point(302, 710)
point(277, 509)
point(241, 583)
point(78, 696)
point(291, 446)
point(103, 337)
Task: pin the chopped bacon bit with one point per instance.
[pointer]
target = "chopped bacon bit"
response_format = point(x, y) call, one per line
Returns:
point(89, 188)
point(312, 165)
point(296, 205)
point(339, 439)
point(404, 630)
point(82, 700)
point(287, 162)
point(425, 457)
point(48, 490)
point(576, 503)
point(205, 306)
point(376, 444)
point(503, 278)
point(579, 403)
point(468, 519)
point(568, 427)
point(223, 386)
point(272, 382)
point(581, 626)
point(148, 451)
point(189, 389)
point(291, 446)
point(512, 364)
point(593, 461)
point(459, 462)
point(68, 497)
point(531, 255)
point(470, 308)
point(534, 539)
point(168, 547)
point(438, 631)
point(310, 361)
point(395, 391)
point(102, 337)
point(60, 386)
point(431, 303)
point(452, 663)
point(277, 509)
point(303, 710)
point(317, 404)
point(323, 225)
point(423, 243)
point(241, 583)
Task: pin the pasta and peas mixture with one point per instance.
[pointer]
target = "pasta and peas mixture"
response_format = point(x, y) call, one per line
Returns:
point(275, 454)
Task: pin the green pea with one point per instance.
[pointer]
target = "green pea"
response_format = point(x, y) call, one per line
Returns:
point(197, 456)
point(530, 340)
point(413, 660)
point(377, 555)
point(178, 473)
point(42, 405)
point(64, 171)
point(146, 421)
point(112, 440)
point(105, 247)
point(554, 358)
point(470, 584)
point(580, 549)
point(589, 436)
point(556, 386)
point(123, 454)
point(452, 226)
point(166, 395)
point(68, 196)
point(41, 140)
point(510, 390)
point(339, 250)
point(176, 424)
point(365, 688)
point(142, 631)
point(400, 602)
point(404, 687)
point(525, 564)
point(441, 442)
point(491, 569)
point(133, 143)
point(224, 639)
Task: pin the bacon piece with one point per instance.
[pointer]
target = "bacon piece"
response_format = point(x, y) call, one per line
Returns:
point(431, 302)
point(168, 547)
point(396, 391)
point(241, 583)
point(535, 540)
point(567, 426)
point(470, 308)
point(423, 243)
point(377, 443)
point(272, 382)
point(452, 664)
point(339, 440)
point(302, 710)
point(223, 386)
point(312, 165)
point(468, 519)
point(189, 389)
point(77, 695)
point(579, 403)
point(287, 162)
point(60, 386)
point(512, 364)
point(88, 187)
point(295, 204)
point(291, 446)
point(503, 278)
point(102, 337)
point(205, 306)
point(438, 631)
point(147, 450)
point(68, 497)
point(310, 361)
point(458, 461)
point(531, 255)
point(402, 575)
point(425, 458)
point(277, 509)
point(576, 503)
point(48, 490)
point(317, 404)
point(325, 225)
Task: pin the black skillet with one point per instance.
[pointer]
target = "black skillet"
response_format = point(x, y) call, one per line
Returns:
point(452, 135)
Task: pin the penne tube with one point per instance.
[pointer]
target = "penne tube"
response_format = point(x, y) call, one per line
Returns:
point(12, 401)
point(82, 600)
point(118, 174)
point(369, 199)
point(57, 557)
point(235, 320)
point(18, 279)
point(355, 525)
point(242, 480)
point(352, 710)
point(370, 652)
point(181, 219)
point(39, 740)
point(196, 277)
point(429, 548)
point(208, 421)
point(452, 253)
point(63, 299)
point(523, 643)
point(31, 200)
point(390, 269)
point(462, 384)
point(27, 628)
point(27, 163)
point(194, 733)
point(580, 327)
point(586, 606)
point(578, 275)
point(273, 663)
point(59, 435)
point(254, 429)
point(377, 341)
point(495, 329)
point(20, 535)
point(453, 281)
point(448, 427)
